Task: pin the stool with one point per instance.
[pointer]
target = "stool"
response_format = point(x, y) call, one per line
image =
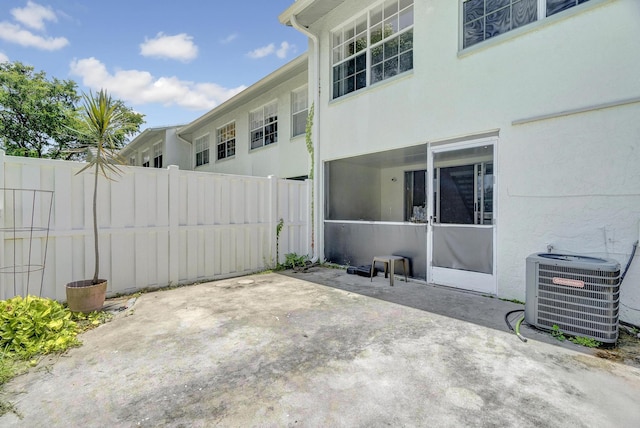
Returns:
point(389, 262)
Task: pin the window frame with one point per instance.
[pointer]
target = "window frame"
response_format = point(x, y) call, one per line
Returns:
point(296, 113)
point(220, 133)
point(268, 130)
point(132, 160)
point(541, 19)
point(204, 151)
point(338, 43)
point(157, 155)
point(146, 159)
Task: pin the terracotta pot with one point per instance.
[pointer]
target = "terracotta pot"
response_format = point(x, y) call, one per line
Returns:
point(83, 296)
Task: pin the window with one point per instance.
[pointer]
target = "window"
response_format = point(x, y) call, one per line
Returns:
point(299, 111)
point(145, 159)
point(373, 47)
point(132, 160)
point(157, 155)
point(263, 125)
point(484, 19)
point(415, 196)
point(227, 141)
point(202, 150)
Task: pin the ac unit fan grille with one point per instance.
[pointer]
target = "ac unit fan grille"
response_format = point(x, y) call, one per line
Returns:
point(588, 308)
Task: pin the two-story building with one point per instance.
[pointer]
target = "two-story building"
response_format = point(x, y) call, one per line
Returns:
point(468, 134)
point(260, 131)
point(157, 148)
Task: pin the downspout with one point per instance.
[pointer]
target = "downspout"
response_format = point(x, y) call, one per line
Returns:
point(318, 248)
point(191, 155)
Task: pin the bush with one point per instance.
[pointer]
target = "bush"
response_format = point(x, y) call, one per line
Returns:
point(35, 326)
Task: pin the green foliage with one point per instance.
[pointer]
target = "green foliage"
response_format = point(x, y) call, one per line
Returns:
point(585, 341)
point(35, 112)
point(557, 333)
point(309, 143)
point(308, 139)
point(38, 115)
point(578, 340)
point(35, 326)
point(279, 227)
point(519, 302)
point(294, 260)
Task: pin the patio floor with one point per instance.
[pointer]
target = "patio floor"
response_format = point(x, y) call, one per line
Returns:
point(321, 348)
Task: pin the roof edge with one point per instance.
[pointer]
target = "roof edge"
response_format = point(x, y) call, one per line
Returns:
point(287, 68)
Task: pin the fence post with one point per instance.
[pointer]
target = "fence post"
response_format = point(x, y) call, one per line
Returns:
point(174, 223)
point(273, 218)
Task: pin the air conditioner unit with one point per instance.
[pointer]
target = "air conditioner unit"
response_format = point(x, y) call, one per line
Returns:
point(579, 294)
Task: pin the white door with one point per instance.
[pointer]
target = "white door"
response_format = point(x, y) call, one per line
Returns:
point(461, 219)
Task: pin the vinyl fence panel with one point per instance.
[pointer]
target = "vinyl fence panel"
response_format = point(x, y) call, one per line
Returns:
point(156, 226)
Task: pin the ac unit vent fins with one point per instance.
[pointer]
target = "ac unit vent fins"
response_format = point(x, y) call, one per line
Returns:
point(579, 294)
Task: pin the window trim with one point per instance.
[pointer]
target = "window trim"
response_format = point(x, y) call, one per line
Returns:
point(305, 90)
point(533, 26)
point(207, 149)
point(226, 142)
point(263, 126)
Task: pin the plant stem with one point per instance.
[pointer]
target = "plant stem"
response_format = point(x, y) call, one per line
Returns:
point(95, 223)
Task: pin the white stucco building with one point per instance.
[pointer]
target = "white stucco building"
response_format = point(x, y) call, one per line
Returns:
point(157, 148)
point(259, 132)
point(468, 134)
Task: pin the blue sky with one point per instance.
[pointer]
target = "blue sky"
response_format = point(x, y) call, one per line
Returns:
point(170, 60)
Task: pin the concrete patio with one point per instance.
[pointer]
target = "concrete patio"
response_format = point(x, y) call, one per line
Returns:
point(322, 348)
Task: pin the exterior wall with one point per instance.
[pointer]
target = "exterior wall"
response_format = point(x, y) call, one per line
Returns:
point(286, 158)
point(174, 151)
point(156, 226)
point(570, 181)
point(178, 152)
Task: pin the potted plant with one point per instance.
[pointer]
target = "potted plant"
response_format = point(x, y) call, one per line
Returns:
point(102, 125)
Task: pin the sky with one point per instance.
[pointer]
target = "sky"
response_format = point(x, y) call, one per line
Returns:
point(172, 61)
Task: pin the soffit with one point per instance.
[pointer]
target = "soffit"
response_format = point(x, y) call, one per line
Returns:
point(310, 11)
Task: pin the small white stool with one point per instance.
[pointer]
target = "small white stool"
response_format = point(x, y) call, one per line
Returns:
point(389, 262)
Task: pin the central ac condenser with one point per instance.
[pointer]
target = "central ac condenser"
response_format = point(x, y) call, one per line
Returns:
point(579, 294)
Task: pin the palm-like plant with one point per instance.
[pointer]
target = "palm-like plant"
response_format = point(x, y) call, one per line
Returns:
point(102, 123)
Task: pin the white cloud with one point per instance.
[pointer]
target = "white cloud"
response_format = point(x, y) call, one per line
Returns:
point(141, 87)
point(281, 52)
point(180, 47)
point(285, 47)
point(15, 34)
point(34, 15)
point(3, 57)
point(262, 52)
point(230, 38)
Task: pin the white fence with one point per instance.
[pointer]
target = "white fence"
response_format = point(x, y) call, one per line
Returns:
point(156, 226)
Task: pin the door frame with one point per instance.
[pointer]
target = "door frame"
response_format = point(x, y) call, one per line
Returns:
point(467, 280)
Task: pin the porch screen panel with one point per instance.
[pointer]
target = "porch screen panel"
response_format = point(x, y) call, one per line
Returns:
point(463, 248)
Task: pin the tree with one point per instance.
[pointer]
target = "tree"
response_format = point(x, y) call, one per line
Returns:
point(103, 122)
point(38, 116)
point(35, 113)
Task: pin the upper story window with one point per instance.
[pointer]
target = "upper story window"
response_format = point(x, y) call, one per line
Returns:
point(299, 110)
point(263, 125)
point(202, 150)
point(157, 155)
point(145, 159)
point(132, 160)
point(484, 19)
point(227, 141)
point(375, 46)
